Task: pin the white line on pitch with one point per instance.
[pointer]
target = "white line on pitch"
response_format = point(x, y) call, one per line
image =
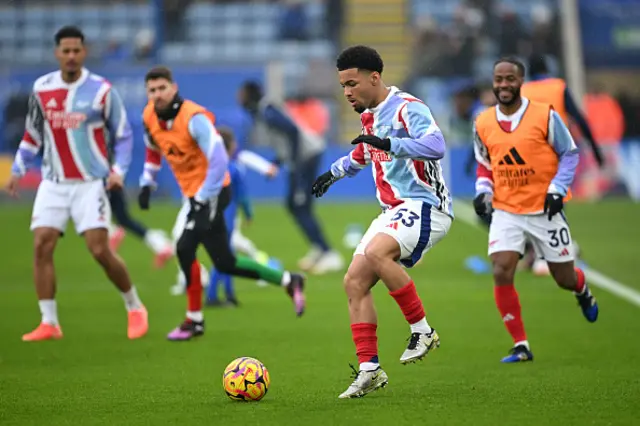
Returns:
point(464, 212)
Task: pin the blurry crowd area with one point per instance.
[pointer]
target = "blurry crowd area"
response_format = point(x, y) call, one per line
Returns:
point(453, 45)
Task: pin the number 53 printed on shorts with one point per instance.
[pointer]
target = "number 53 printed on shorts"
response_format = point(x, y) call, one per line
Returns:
point(405, 216)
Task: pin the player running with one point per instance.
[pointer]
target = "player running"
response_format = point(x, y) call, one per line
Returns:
point(183, 132)
point(70, 111)
point(526, 164)
point(301, 150)
point(403, 144)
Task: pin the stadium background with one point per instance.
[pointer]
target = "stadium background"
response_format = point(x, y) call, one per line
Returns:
point(440, 51)
point(583, 373)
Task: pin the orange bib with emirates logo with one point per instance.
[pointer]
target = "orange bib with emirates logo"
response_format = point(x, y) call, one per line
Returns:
point(523, 163)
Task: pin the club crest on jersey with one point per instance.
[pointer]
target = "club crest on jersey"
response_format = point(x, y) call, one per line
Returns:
point(383, 131)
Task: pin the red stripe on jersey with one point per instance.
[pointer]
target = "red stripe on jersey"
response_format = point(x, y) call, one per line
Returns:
point(419, 166)
point(358, 154)
point(29, 139)
point(152, 157)
point(367, 123)
point(483, 172)
point(53, 103)
point(98, 135)
point(104, 97)
point(384, 188)
point(401, 119)
point(411, 99)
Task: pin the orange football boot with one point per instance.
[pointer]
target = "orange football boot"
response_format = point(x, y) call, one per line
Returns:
point(138, 323)
point(43, 332)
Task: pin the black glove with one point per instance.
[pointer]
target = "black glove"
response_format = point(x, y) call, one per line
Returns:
point(482, 204)
point(144, 197)
point(322, 184)
point(201, 214)
point(553, 204)
point(383, 144)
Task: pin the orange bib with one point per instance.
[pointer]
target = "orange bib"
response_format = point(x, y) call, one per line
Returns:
point(522, 161)
point(186, 159)
point(549, 91)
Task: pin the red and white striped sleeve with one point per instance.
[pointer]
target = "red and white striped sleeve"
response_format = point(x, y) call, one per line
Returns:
point(484, 175)
point(152, 162)
point(31, 140)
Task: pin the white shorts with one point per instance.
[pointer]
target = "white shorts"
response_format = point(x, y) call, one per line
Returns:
point(415, 225)
point(86, 203)
point(551, 239)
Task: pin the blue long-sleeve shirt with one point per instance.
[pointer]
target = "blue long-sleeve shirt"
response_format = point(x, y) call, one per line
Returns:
point(275, 118)
point(239, 193)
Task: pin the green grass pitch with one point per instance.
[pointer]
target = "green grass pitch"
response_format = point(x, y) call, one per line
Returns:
point(583, 374)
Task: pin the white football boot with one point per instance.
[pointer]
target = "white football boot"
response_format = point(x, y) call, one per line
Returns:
point(365, 382)
point(330, 261)
point(310, 259)
point(419, 346)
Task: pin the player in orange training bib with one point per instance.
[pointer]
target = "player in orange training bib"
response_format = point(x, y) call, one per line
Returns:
point(526, 164)
point(183, 133)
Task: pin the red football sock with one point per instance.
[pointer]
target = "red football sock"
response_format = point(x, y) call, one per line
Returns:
point(366, 340)
point(581, 280)
point(194, 289)
point(509, 306)
point(409, 301)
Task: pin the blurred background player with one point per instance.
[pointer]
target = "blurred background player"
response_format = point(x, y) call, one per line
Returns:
point(64, 106)
point(239, 242)
point(155, 239)
point(183, 133)
point(542, 87)
point(526, 163)
point(301, 151)
point(403, 144)
point(239, 199)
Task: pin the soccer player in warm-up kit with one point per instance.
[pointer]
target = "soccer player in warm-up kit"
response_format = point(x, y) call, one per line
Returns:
point(71, 111)
point(402, 143)
point(526, 163)
point(184, 133)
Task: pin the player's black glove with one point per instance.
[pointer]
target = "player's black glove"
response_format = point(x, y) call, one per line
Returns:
point(202, 214)
point(482, 204)
point(144, 197)
point(553, 204)
point(322, 184)
point(383, 144)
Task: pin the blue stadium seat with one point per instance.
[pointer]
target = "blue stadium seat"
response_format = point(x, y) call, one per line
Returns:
point(173, 53)
point(8, 16)
point(62, 16)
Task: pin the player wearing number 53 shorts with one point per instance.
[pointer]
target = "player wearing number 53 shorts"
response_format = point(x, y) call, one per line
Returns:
point(403, 145)
point(526, 164)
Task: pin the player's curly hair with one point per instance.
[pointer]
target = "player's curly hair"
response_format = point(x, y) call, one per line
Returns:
point(513, 61)
point(360, 57)
point(69, 31)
